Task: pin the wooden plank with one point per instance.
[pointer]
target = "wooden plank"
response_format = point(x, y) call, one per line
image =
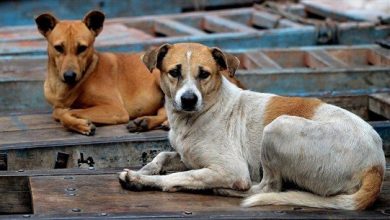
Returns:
point(27, 122)
point(294, 59)
point(66, 173)
point(359, 57)
point(380, 104)
point(259, 60)
point(21, 13)
point(51, 196)
point(36, 146)
point(218, 24)
point(328, 60)
point(173, 28)
point(15, 195)
point(316, 82)
point(268, 20)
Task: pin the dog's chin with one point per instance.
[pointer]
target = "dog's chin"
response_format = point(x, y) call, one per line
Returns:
point(70, 83)
point(186, 110)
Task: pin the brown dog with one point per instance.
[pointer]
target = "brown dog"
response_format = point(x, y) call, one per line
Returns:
point(86, 87)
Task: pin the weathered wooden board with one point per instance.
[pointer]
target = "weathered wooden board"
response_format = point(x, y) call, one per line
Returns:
point(72, 197)
point(235, 29)
point(297, 71)
point(379, 104)
point(112, 146)
point(22, 12)
point(15, 195)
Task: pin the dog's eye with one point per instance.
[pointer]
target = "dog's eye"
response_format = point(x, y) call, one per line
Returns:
point(203, 74)
point(175, 73)
point(59, 48)
point(81, 49)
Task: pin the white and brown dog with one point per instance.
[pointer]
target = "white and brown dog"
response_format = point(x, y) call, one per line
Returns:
point(224, 136)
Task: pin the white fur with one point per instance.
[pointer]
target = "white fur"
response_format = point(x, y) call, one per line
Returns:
point(189, 86)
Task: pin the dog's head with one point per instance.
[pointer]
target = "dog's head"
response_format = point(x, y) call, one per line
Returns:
point(70, 43)
point(191, 73)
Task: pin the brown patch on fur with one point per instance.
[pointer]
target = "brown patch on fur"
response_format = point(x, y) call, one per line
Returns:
point(370, 187)
point(294, 106)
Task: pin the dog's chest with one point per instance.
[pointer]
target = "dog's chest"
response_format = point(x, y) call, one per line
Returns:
point(189, 151)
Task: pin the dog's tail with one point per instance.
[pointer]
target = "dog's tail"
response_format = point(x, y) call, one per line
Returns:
point(369, 190)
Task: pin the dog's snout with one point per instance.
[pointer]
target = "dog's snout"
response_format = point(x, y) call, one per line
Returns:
point(189, 101)
point(70, 77)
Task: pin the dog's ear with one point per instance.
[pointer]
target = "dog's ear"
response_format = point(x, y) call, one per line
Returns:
point(153, 57)
point(45, 23)
point(94, 21)
point(225, 61)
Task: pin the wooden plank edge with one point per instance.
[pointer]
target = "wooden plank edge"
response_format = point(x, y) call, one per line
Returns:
point(244, 214)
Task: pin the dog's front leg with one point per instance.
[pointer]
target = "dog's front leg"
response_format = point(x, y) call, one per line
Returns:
point(102, 114)
point(163, 162)
point(199, 179)
point(83, 126)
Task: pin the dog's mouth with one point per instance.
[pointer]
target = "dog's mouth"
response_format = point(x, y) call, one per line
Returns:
point(186, 109)
point(70, 82)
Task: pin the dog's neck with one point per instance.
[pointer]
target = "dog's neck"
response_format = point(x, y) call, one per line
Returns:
point(226, 95)
point(57, 92)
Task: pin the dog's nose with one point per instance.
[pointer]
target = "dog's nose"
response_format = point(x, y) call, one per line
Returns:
point(188, 101)
point(70, 77)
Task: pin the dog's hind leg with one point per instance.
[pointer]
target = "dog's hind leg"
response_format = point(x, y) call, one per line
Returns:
point(237, 193)
point(146, 123)
point(163, 162)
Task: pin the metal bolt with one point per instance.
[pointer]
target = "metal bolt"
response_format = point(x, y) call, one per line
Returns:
point(72, 194)
point(68, 178)
point(70, 189)
point(26, 216)
point(91, 168)
point(103, 214)
point(187, 213)
point(76, 210)
point(21, 170)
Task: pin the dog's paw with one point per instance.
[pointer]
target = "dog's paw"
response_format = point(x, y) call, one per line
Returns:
point(86, 127)
point(164, 126)
point(130, 180)
point(137, 125)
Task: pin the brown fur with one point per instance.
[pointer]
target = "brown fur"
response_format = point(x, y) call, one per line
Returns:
point(294, 106)
point(110, 88)
point(370, 188)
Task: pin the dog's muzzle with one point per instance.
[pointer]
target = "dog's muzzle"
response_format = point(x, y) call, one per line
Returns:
point(70, 77)
point(189, 101)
